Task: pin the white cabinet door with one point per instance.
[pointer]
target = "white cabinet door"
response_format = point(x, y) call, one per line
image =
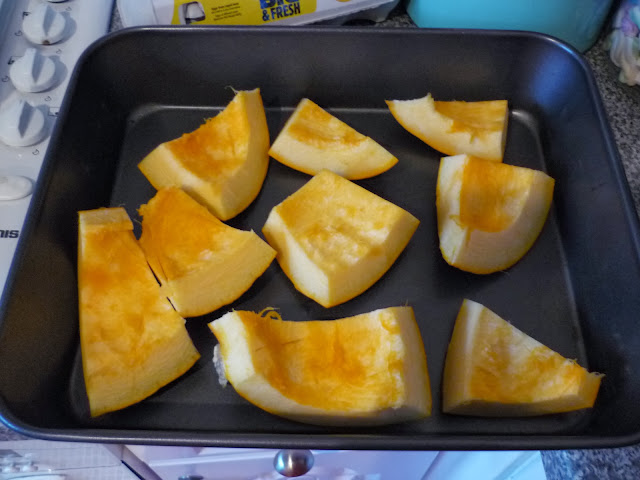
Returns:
point(170, 463)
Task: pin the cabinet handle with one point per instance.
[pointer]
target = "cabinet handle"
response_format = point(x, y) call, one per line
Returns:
point(293, 463)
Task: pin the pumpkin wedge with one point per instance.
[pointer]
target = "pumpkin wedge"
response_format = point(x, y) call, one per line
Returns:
point(223, 163)
point(133, 342)
point(313, 140)
point(201, 262)
point(335, 239)
point(368, 369)
point(494, 369)
point(456, 127)
point(489, 213)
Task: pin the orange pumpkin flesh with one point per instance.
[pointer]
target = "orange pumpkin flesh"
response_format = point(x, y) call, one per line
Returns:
point(132, 340)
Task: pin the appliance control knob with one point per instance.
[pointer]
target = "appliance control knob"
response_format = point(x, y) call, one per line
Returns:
point(33, 72)
point(44, 25)
point(21, 124)
point(9, 469)
point(15, 187)
point(27, 467)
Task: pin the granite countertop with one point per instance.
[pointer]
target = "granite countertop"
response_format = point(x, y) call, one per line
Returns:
point(622, 104)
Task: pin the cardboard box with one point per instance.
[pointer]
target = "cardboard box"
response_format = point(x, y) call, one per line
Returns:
point(250, 12)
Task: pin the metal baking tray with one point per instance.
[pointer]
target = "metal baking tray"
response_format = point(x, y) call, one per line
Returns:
point(577, 290)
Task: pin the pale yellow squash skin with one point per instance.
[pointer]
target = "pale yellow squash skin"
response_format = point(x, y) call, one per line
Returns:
point(201, 262)
point(456, 127)
point(313, 140)
point(494, 369)
point(133, 342)
point(489, 214)
point(335, 239)
point(223, 163)
point(370, 369)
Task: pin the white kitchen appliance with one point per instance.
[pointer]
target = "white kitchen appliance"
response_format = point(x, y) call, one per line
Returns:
point(45, 460)
point(14, 466)
point(40, 43)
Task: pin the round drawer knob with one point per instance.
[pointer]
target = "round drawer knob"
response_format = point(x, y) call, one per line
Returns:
point(293, 463)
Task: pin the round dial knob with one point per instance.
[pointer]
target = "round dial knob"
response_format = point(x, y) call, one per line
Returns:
point(9, 468)
point(21, 124)
point(27, 467)
point(44, 25)
point(33, 72)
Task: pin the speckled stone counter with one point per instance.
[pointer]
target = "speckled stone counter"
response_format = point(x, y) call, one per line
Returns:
point(622, 104)
point(610, 464)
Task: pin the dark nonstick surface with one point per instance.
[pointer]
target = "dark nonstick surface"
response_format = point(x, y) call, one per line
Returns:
point(576, 290)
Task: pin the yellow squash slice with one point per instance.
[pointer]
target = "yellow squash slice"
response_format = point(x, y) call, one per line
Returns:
point(223, 163)
point(494, 369)
point(369, 369)
point(456, 127)
point(335, 239)
point(313, 140)
point(489, 214)
point(132, 340)
point(201, 263)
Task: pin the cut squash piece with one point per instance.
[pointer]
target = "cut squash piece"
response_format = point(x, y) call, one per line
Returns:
point(133, 342)
point(223, 163)
point(313, 140)
point(201, 263)
point(369, 369)
point(456, 127)
point(335, 239)
point(489, 214)
point(494, 369)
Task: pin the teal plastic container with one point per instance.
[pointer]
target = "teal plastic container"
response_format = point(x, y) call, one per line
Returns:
point(577, 22)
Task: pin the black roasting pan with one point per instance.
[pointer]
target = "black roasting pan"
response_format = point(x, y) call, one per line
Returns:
point(577, 290)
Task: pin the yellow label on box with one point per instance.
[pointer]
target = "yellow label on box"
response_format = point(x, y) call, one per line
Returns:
point(238, 12)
